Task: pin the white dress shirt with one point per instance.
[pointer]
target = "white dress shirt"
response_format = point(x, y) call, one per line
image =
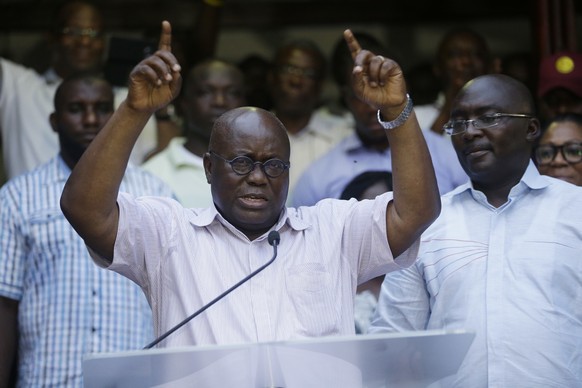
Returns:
point(511, 274)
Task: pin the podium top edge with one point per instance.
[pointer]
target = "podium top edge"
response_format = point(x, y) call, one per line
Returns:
point(302, 341)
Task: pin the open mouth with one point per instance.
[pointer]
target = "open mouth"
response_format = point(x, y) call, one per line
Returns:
point(253, 200)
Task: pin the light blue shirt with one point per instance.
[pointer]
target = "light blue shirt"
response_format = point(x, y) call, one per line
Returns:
point(68, 306)
point(511, 274)
point(328, 176)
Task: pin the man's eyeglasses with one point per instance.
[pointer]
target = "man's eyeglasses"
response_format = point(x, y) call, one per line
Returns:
point(455, 127)
point(243, 165)
point(74, 32)
point(546, 153)
point(298, 71)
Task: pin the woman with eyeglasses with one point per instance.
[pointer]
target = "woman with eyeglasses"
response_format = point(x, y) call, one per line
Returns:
point(559, 151)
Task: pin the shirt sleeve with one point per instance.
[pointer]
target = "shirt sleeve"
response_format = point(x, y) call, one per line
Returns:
point(142, 237)
point(403, 304)
point(12, 246)
point(370, 233)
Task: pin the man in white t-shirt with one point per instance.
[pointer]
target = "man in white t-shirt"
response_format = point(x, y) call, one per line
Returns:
point(26, 97)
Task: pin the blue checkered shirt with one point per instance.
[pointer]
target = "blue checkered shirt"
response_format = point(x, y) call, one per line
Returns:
point(68, 307)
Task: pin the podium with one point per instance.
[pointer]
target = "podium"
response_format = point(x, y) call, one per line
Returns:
point(407, 359)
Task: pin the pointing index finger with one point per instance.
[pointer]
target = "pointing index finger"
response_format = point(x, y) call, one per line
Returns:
point(165, 37)
point(352, 42)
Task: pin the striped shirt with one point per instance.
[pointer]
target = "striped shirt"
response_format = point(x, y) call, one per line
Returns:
point(184, 258)
point(68, 306)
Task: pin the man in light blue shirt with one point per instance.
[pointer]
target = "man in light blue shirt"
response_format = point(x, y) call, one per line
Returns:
point(503, 260)
point(55, 305)
point(367, 149)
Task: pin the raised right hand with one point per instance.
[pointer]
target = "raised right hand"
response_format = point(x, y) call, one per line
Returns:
point(156, 80)
point(376, 80)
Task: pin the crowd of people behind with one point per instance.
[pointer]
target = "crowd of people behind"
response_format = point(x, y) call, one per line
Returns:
point(506, 242)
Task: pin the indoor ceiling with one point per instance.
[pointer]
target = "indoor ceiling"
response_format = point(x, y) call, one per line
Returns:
point(34, 15)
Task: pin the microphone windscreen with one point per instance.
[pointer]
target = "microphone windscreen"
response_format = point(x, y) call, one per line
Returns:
point(274, 237)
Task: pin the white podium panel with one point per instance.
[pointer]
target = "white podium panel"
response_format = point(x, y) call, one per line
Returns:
point(411, 359)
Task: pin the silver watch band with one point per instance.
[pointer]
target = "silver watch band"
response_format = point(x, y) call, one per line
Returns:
point(402, 117)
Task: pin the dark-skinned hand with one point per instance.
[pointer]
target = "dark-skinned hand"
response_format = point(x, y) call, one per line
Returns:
point(377, 80)
point(156, 80)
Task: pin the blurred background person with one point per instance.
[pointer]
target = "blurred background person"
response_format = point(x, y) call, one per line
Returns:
point(211, 88)
point(56, 306)
point(560, 84)
point(559, 151)
point(522, 66)
point(296, 81)
point(256, 68)
point(462, 55)
point(26, 97)
point(366, 147)
point(77, 42)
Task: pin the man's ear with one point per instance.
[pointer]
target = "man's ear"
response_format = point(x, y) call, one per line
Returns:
point(53, 122)
point(207, 167)
point(533, 130)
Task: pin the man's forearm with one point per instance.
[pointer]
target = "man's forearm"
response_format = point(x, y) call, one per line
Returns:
point(89, 198)
point(416, 197)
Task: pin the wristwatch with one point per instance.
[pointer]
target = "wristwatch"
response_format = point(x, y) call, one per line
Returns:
point(402, 117)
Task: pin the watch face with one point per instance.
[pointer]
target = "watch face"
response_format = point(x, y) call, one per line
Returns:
point(402, 117)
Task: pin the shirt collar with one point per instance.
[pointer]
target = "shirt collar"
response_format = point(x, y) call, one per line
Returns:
point(351, 143)
point(289, 217)
point(62, 171)
point(179, 155)
point(51, 77)
point(531, 180)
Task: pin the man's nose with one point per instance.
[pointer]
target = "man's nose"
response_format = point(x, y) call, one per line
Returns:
point(90, 116)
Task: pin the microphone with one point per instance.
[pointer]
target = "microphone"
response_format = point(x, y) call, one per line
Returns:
point(273, 240)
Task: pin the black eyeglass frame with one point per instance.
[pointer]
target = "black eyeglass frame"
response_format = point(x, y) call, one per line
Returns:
point(308, 73)
point(75, 32)
point(555, 150)
point(449, 130)
point(253, 163)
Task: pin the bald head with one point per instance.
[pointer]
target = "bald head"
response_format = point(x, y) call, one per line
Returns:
point(502, 91)
point(246, 121)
